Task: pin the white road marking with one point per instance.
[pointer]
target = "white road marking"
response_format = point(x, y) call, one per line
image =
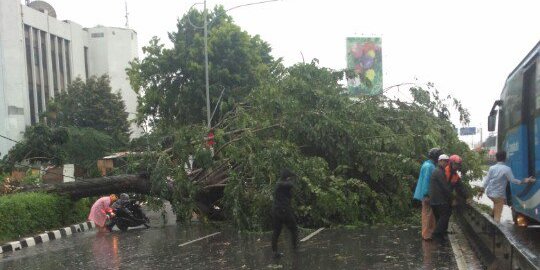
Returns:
point(198, 239)
point(312, 234)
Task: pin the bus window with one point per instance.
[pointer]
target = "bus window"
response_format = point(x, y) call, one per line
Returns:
point(501, 133)
point(529, 109)
point(512, 101)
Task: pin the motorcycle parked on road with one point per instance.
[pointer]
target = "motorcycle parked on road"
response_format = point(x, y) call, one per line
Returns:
point(130, 215)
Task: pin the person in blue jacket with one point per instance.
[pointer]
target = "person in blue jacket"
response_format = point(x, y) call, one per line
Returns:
point(421, 192)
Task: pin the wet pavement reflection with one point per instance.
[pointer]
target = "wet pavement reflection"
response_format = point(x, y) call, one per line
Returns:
point(158, 248)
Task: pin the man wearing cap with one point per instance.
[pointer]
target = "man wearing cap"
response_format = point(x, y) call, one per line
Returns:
point(440, 192)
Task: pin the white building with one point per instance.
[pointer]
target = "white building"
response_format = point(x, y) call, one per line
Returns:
point(40, 56)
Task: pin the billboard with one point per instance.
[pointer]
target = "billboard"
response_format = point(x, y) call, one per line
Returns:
point(364, 65)
point(465, 131)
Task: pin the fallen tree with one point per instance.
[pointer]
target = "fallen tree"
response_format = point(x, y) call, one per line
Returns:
point(92, 187)
point(357, 160)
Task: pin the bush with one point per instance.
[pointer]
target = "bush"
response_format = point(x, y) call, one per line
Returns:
point(23, 214)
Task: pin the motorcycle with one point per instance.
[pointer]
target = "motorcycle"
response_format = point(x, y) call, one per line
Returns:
point(131, 215)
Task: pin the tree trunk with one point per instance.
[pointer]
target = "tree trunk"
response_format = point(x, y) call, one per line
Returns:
point(213, 184)
point(99, 186)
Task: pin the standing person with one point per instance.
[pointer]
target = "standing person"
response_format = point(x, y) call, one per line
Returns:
point(495, 183)
point(451, 170)
point(98, 213)
point(282, 213)
point(422, 192)
point(440, 191)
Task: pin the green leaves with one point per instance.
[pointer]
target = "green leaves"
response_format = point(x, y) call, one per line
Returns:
point(173, 81)
point(357, 160)
point(25, 213)
point(92, 104)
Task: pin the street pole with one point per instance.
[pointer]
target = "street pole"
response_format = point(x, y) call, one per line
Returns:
point(208, 117)
point(206, 66)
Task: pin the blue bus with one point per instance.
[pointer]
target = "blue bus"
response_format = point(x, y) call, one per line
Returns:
point(518, 112)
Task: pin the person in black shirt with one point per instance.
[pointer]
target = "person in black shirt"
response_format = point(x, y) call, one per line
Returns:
point(282, 213)
point(444, 180)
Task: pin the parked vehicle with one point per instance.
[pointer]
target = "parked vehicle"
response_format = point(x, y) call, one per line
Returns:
point(518, 122)
point(131, 215)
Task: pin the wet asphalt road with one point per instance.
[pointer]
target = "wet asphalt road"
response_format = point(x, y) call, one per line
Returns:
point(158, 248)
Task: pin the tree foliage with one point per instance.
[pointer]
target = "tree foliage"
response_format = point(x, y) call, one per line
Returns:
point(57, 146)
point(172, 81)
point(358, 159)
point(91, 104)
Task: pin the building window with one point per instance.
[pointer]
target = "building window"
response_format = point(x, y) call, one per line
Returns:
point(68, 62)
point(45, 67)
point(86, 61)
point(13, 110)
point(97, 35)
point(54, 65)
point(61, 64)
point(37, 71)
point(28, 46)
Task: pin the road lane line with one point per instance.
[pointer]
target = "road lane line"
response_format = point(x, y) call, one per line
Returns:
point(198, 239)
point(312, 234)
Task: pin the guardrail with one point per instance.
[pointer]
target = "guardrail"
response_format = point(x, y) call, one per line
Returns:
point(490, 243)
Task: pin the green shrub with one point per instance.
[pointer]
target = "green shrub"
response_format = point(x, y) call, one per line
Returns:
point(23, 214)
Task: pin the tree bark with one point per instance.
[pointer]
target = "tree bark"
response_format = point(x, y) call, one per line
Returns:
point(213, 185)
point(98, 186)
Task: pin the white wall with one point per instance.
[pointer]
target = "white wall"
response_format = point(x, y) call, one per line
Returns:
point(13, 85)
point(111, 55)
point(79, 39)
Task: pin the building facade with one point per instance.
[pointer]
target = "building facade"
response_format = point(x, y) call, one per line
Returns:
point(40, 55)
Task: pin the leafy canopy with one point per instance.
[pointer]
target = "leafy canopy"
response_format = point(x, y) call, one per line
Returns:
point(357, 160)
point(57, 146)
point(172, 81)
point(91, 104)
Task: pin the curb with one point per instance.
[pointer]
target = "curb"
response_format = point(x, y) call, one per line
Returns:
point(47, 236)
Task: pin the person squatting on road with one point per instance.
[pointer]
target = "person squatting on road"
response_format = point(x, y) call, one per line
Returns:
point(98, 213)
point(117, 206)
point(495, 183)
point(443, 181)
point(421, 192)
point(282, 213)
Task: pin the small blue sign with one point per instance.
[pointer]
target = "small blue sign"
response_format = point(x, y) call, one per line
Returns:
point(464, 131)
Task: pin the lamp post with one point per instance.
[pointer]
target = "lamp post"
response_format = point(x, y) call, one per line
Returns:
point(206, 67)
point(207, 81)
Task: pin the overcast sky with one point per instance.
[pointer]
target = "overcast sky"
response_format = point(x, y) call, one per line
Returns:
point(467, 48)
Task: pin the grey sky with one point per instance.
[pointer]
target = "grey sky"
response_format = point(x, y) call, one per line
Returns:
point(467, 48)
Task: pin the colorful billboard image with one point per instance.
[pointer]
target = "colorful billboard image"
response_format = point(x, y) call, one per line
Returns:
point(364, 65)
